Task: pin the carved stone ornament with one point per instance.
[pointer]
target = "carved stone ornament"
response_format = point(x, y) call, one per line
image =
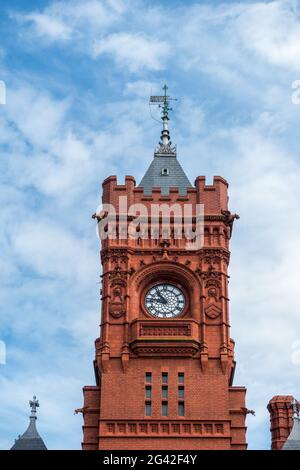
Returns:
point(229, 219)
point(165, 149)
point(216, 275)
point(213, 303)
point(213, 311)
point(117, 304)
point(214, 256)
point(117, 274)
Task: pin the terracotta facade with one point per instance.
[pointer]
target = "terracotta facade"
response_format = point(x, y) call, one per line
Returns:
point(191, 355)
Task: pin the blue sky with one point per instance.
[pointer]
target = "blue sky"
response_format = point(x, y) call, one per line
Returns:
point(78, 76)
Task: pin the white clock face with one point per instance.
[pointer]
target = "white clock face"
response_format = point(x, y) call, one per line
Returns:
point(165, 301)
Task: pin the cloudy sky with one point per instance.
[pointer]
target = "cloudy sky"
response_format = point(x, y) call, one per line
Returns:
point(78, 75)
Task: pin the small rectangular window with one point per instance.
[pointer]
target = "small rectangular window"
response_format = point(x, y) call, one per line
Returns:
point(148, 408)
point(164, 391)
point(181, 377)
point(181, 392)
point(148, 377)
point(148, 391)
point(164, 377)
point(181, 408)
point(164, 408)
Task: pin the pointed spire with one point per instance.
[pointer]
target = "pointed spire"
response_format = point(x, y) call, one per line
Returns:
point(293, 441)
point(164, 147)
point(165, 134)
point(165, 170)
point(30, 440)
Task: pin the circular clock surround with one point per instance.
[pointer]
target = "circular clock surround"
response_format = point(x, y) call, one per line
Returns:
point(165, 300)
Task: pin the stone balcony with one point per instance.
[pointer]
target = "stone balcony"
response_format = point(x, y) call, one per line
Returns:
point(164, 337)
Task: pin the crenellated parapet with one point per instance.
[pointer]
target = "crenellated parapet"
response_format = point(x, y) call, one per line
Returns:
point(213, 196)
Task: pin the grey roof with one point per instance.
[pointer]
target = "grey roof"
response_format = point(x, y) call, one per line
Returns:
point(30, 440)
point(154, 176)
point(165, 170)
point(293, 441)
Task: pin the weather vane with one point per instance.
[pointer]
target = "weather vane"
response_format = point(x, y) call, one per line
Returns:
point(163, 102)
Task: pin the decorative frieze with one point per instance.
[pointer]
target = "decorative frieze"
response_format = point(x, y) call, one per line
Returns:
point(183, 330)
point(180, 338)
point(162, 428)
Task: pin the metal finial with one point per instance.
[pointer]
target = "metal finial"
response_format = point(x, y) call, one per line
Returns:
point(166, 105)
point(163, 102)
point(295, 408)
point(34, 404)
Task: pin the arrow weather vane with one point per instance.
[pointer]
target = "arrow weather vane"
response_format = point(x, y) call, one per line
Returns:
point(163, 102)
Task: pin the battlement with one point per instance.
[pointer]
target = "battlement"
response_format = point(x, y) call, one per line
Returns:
point(213, 196)
point(201, 181)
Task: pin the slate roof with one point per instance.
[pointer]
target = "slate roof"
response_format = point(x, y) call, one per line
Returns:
point(30, 440)
point(154, 176)
point(293, 441)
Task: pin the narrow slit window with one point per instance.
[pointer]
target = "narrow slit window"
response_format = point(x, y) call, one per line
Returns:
point(148, 377)
point(164, 377)
point(148, 408)
point(164, 391)
point(164, 408)
point(180, 408)
point(181, 377)
point(148, 391)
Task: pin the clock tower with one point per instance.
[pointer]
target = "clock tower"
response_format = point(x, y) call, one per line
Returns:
point(164, 362)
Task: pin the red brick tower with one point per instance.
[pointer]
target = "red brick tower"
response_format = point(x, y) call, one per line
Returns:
point(165, 361)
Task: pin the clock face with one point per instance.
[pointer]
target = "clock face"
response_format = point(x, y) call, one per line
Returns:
point(165, 301)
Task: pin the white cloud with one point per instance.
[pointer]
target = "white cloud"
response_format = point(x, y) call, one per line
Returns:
point(272, 30)
point(134, 51)
point(52, 251)
point(191, 118)
point(38, 116)
point(142, 89)
point(47, 25)
point(66, 20)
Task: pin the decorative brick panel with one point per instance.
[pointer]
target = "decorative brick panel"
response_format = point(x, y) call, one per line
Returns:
point(146, 330)
point(163, 428)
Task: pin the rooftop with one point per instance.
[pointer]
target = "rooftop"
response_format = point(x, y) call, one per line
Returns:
point(30, 440)
point(165, 170)
point(293, 441)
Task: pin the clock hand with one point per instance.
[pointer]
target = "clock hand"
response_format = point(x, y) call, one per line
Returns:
point(164, 301)
point(161, 301)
